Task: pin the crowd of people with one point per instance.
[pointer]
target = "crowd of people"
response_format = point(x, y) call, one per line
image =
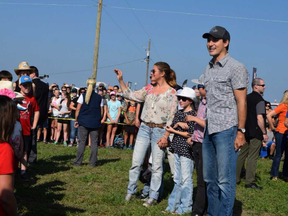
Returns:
point(213, 127)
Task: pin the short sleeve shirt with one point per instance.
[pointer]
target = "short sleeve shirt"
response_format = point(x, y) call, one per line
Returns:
point(113, 109)
point(25, 116)
point(220, 81)
point(281, 111)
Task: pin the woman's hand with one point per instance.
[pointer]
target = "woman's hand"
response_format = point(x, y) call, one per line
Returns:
point(162, 142)
point(119, 74)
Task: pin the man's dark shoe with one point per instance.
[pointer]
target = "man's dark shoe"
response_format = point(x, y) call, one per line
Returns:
point(285, 179)
point(253, 186)
point(75, 164)
point(143, 197)
point(24, 177)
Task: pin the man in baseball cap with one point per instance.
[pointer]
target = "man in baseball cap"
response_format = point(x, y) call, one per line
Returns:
point(226, 81)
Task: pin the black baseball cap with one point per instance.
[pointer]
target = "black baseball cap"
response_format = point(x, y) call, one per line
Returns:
point(218, 32)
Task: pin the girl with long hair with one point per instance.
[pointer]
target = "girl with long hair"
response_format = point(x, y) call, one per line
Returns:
point(280, 138)
point(180, 200)
point(88, 120)
point(64, 113)
point(113, 115)
point(8, 117)
point(54, 111)
point(158, 112)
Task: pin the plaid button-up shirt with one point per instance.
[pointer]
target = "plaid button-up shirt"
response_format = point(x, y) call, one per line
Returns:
point(220, 80)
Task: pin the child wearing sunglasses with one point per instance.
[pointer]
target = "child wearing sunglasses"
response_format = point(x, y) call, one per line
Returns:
point(180, 200)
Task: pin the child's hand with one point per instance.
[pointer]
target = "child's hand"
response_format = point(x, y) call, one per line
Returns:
point(183, 125)
point(169, 129)
point(190, 118)
point(189, 141)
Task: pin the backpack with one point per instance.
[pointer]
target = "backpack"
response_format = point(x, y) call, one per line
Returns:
point(119, 141)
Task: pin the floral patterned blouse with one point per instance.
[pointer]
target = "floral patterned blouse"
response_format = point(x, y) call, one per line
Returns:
point(158, 109)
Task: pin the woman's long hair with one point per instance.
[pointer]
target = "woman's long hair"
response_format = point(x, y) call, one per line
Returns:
point(67, 95)
point(285, 98)
point(170, 75)
point(8, 117)
point(91, 83)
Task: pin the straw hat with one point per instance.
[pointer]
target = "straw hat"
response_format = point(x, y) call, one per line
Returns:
point(6, 88)
point(22, 67)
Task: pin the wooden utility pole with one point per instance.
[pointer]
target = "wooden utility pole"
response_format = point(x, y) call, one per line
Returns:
point(97, 39)
point(147, 61)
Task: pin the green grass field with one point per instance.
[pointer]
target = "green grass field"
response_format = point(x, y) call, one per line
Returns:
point(57, 188)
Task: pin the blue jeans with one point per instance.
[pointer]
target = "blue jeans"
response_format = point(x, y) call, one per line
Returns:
point(219, 170)
point(281, 141)
point(147, 136)
point(180, 200)
point(73, 131)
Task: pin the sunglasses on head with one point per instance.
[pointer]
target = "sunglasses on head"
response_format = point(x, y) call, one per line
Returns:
point(182, 98)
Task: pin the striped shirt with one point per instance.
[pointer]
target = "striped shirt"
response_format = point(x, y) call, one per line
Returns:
point(220, 80)
point(198, 133)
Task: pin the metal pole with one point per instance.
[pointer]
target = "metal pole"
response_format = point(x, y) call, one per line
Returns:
point(97, 39)
point(147, 60)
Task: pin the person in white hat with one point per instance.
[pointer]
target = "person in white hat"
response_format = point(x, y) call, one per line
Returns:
point(180, 200)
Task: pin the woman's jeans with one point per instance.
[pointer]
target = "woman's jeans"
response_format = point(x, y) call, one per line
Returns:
point(281, 143)
point(73, 131)
point(147, 136)
point(180, 200)
point(219, 169)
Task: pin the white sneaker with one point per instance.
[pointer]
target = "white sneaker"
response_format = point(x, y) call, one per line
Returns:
point(150, 202)
point(129, 197)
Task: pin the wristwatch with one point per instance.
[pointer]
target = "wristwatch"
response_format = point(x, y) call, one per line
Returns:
point(242, 130)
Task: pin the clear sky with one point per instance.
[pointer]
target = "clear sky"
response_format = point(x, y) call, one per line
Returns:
point(60, 40)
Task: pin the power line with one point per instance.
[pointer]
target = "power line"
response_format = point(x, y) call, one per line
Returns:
point(98, 68)
point(143, 29)
point(42, 4)
point(196, 14)
point(141, 51)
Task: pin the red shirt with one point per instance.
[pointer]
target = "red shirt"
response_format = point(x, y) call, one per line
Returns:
point(25, 116)
point(7, 158)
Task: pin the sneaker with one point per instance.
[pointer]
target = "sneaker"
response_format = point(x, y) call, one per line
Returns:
point(150, 202)
point(65, 143)
point(144, 197)
point(37, 140)
point(44, 141)
point(131, 147)
point(24, 177)
point(124, 147)
point(56, 143)
point(70, 145)
point(129, 197)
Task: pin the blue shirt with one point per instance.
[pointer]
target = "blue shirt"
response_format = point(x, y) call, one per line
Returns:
point(113, 109)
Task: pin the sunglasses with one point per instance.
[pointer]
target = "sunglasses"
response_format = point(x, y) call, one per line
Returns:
point(201, 86)
point(262, 85)
point(82, 92)
point(184, 99)
point(153, 71)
